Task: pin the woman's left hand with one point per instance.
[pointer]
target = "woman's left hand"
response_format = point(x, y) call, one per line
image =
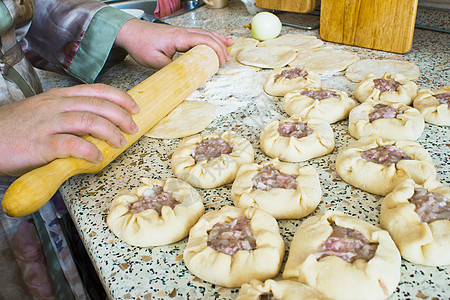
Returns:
point(153, 45)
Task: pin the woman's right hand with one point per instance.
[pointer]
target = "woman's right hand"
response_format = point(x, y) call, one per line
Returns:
point(39, 129)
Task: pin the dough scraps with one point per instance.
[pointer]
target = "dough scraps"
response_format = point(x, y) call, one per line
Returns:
point(360, 69)
point(188, 118)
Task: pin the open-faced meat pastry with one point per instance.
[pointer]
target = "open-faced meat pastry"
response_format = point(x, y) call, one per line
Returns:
point(284, 190)
point(434, 105)
point(232, 246)
point(284, 80)
point(395, 121)
point(387, 89)
point(377, 166)
point(343, 257)
point(418, 219)
point(273, 290)
point(156, 213)
point(211, 160)
point(328, 104)
point(293, 141)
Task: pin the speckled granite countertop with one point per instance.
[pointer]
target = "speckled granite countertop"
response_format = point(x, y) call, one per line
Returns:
point(151, 273)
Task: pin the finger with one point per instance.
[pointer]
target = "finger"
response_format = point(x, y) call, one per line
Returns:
point(84, 123)
point(213, 42)
point(103, 108)
point(103, 91)
point(68, 145)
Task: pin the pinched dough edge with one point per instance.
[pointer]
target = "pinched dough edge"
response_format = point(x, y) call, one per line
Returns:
point(281, 86)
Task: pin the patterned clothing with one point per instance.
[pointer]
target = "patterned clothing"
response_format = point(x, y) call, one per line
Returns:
point(74, 37)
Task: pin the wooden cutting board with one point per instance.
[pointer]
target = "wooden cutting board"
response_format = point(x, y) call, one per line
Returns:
point(300, 6)
point(156, 96)
point(377, 24)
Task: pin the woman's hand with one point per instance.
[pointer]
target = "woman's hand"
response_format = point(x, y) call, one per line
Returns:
point(36, 130)
point(153, 45)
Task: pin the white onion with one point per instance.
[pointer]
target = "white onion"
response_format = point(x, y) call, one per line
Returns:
point(265, 26)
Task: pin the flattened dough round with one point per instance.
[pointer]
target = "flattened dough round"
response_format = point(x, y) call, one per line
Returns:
point(407, 125)
point(295, 41)
point(214, 172)
point(278, 85)
point(324, 60)
point(148, 228)
point(292, 149)
point(188, 118)
point(283, 289)
point(266, 57)
point(405, 93)
point(335, 277)
point(331, 109)
point(433, 111)
point(280, 203)
point(418, 242)
point(360, 69)
point(380, 179)
point(262, 263)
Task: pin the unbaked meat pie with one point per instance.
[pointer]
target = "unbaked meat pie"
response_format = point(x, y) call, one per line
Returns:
point(319, 94)
point(383, 111)
point(443, 98)
point(386, 84)
point(291, 73)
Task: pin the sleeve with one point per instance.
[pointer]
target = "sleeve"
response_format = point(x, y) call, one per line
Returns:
point(73, 36)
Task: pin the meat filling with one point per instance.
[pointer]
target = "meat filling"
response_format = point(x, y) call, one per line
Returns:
point(211, 148)
point(267, 296)
point(319, 94)
point(347, 244)
point(443, 98)
point(155, 199)
point(385, 155)
point(430, 206)
point(295, 129)
point(270, 178)
point(232, 236)
point(386, 84)
point(382, 111)
point(291, 73)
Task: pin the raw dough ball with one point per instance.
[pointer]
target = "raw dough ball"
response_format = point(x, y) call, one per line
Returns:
point(330, 105)
point(434, 105)
point(216, 171)
point(360, 69)
point(283, 289)
point(188, 118)
point(295, 41)
point(426, 243)
point(147, 227)
point(378, 178)
point(324, 60)
point(393, 90)
point(284, 190)
point(334, 276)
point(292, 149)
point(262, 261)
point(284, 80)
point(403, 122)
point(266, 57)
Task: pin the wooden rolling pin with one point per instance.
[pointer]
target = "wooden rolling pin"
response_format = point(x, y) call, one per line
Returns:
point(156, 96)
